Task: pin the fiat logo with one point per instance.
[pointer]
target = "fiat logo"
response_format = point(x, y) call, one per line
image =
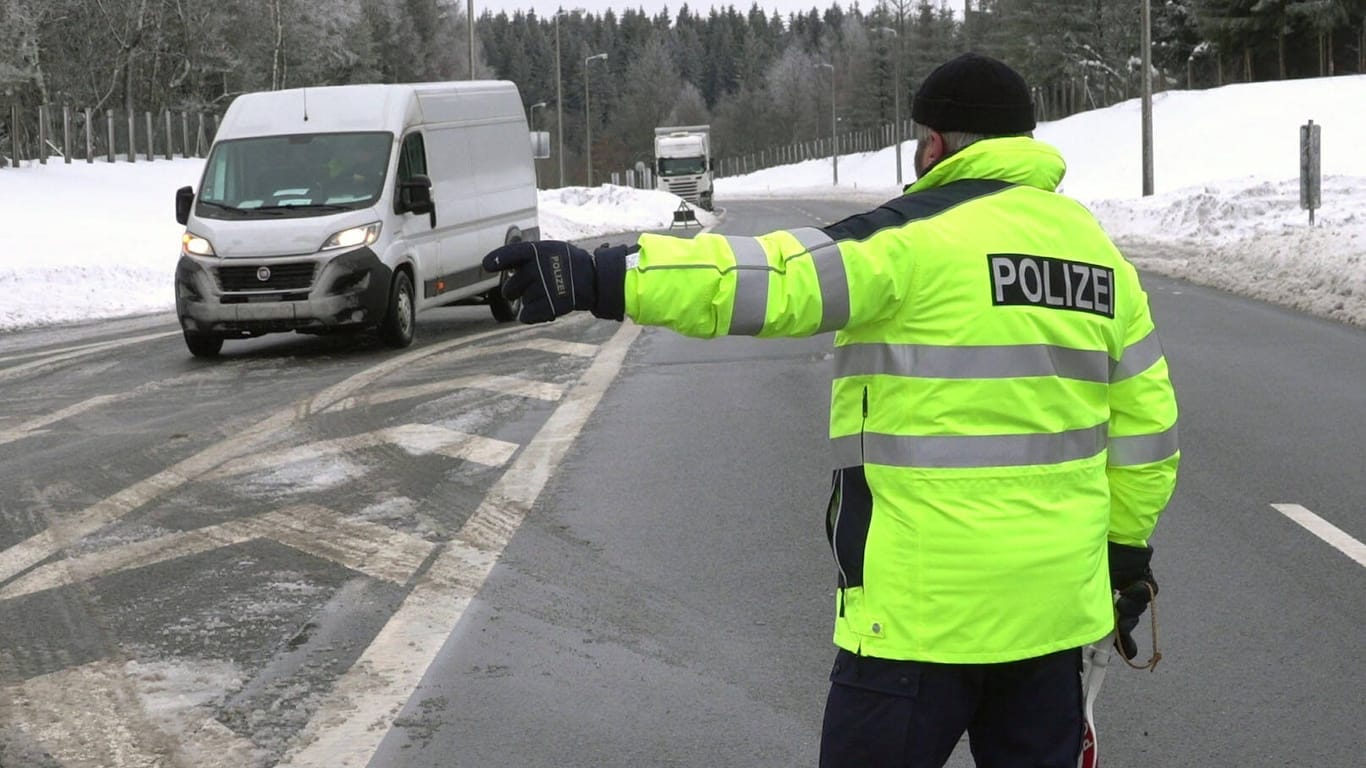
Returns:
point(263, 274)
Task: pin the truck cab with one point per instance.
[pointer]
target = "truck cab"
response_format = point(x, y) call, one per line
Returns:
point(683, 163)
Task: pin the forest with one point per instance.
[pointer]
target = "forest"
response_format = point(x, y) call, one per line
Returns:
point(761, 80)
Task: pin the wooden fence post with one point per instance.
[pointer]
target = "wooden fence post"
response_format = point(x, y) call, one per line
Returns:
point(132, 137)
point(42, 134)
point(184, 134)
point(170, 150)
point(89, 137)
point(66, 134)
point(200, 141)
point(14, 136)
point(109, 134)
point(151, 137)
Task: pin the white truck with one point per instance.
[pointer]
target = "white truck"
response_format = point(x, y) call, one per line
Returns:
point(353, 207)
point(683, 162)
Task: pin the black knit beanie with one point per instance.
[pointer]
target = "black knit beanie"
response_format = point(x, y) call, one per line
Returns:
point(974, 94)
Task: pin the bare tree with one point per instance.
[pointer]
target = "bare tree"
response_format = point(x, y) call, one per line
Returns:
point(794, 89)
point(651, 90)
point(20, 64)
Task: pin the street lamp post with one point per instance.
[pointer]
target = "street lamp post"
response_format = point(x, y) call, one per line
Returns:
point(469, 5)
point(1147, 108)
point(559, 96)
point(532, 120)
point(896, 100)
point(834, 137)
point(588, 117)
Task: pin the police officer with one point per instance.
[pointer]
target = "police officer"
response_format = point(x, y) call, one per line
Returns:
point(1002, 422)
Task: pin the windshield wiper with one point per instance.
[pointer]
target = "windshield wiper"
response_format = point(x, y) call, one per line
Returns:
point(223, 206)
point(304, 207)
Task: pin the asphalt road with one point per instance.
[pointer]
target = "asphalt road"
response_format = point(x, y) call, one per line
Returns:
point(591, 544)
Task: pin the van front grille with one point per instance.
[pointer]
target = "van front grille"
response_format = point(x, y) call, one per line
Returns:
point(281, 277)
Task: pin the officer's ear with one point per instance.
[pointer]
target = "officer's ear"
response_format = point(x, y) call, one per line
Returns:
point(934, 148)
point(929, 151)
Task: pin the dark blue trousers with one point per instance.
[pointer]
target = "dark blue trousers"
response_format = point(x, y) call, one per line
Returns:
point(910, 714)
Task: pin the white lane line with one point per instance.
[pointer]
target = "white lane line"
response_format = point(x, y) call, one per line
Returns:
point(348, 726)
point(35, 426)
point(553, 346)
point(56, 356)
point(558, 347)
point(369, 548)
point(416, 439)
point(375, 550)
point(1325, 530)
point(43, 545)
point(505, 385)
point(127, 715)
point(94, 345)
point(126, 557)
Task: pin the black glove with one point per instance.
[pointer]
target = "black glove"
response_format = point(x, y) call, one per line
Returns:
point(553, 278)
point(1132, 578)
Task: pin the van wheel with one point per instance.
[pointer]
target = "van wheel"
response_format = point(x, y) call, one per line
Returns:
point(503, 310)
point(400, 322)
point(203, 346)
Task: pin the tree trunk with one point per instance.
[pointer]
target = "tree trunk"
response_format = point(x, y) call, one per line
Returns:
point(277, 74)
point(1280, 52)
point(190, 73)
point(128, 85)
point(130, 59)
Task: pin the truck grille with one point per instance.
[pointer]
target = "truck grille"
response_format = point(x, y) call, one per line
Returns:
point(283, 277)
point(683, 189)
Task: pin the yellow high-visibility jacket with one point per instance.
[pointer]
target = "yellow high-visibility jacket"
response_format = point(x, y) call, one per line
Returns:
point(1001, 404)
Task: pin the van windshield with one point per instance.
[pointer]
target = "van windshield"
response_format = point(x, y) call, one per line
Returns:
point(298, 175)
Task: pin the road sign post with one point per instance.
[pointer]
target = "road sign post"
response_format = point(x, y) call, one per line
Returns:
point(1309, 168)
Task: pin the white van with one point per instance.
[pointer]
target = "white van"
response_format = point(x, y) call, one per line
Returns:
point(353, 207)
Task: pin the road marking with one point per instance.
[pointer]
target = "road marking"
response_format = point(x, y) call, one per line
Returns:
point(35, 426)
point(37, 548)
point(375, 550)
point(507, 385)
point(1325, 530)
point(416, 439)
point(56, 356)
point(362, 706)
point(557, 347)
point(127, 715)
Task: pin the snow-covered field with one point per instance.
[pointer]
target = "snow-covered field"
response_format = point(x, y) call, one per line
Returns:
point(96, 241)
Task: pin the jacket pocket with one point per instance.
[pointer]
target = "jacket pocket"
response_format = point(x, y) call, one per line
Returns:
point(847, 519)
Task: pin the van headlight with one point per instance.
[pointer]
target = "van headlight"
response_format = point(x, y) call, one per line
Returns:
point(194, 245)
point(350, 238)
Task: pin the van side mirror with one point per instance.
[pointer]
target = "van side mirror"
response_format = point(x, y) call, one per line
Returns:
point(415, 196)
point(184, 199)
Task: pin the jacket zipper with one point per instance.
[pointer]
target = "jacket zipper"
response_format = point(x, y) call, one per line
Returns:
point(835, 528)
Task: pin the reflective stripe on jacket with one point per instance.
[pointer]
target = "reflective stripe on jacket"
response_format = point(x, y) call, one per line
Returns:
point(1000, 406)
